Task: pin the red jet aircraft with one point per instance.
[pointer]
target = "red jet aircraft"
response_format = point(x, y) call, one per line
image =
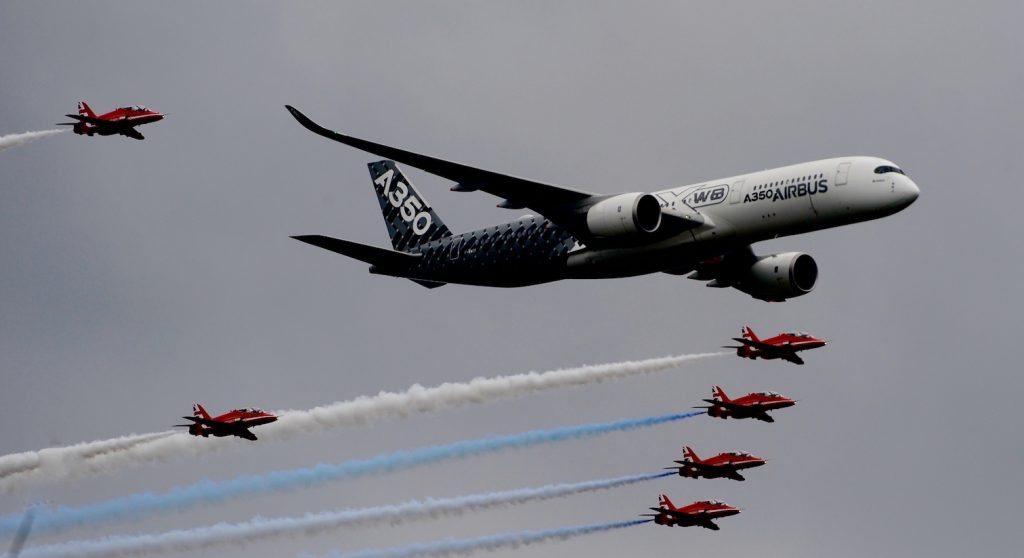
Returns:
point(236, 423)
point(753, 405)
point(118, 121)
point(783, 345)
point(724, 465)
point(698, 513)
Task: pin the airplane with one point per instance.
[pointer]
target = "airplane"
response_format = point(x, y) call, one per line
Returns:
point(121, 121)
point(235, 423)
point(724, 465)
point(783, 345)
point(753, 405)
point(700, 513)
point(704, 230)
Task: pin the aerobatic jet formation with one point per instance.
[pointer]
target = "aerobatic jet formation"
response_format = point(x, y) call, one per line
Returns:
point(120, 121)
point(233, 423)
point(700, 513)
point(753, 405)
point(724, 465)
point(783, 346)
point(702, 230)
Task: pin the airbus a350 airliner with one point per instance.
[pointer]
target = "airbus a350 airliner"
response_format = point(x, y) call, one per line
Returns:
point(704, 230)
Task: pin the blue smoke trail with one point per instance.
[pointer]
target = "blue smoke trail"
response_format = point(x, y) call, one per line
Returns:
point(260, 528)
point(180, 498)
point(447, 547)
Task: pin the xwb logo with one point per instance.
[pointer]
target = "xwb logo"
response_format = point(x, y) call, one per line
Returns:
point(709, 195)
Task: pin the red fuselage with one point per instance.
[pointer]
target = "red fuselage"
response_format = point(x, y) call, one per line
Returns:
point(234, 423)
point(752, 405)
point(238, 417)
point(785, 343)
point(696, 514)
point(120, 121)
point(723, 465)
point(120, 118)
point(784, 346)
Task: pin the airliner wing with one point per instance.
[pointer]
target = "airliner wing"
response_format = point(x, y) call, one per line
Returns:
point(516, 192)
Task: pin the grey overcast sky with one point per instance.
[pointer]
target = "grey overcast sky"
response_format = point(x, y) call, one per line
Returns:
point(136, 277)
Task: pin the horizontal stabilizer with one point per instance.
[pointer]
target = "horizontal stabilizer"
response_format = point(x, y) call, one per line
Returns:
point(756, 344)
point(381, 257)
point(90, 120)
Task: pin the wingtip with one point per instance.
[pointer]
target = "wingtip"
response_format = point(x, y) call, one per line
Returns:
point(298, 115)
point(307, 238)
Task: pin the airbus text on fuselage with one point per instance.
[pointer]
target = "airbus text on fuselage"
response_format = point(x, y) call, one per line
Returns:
point(704, 230)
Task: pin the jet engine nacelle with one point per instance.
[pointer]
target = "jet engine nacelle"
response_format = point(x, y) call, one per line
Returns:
point(776, 277)
point(624, 214)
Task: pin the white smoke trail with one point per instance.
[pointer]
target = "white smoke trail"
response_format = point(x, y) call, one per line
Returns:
point(57, 461)
point(452, 547)
point(416, 399)
point(259, 528)
point(180, 498)
point(13, 140)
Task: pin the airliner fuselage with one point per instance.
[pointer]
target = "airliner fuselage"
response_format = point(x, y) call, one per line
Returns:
point(703, 229)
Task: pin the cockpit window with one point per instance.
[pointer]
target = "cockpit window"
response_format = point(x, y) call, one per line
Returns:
point(887, 168)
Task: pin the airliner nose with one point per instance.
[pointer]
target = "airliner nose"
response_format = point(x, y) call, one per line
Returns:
point(906, 191)
point(912, 191)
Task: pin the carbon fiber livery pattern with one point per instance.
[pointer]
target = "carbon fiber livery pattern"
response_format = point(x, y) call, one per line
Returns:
point(527, 251)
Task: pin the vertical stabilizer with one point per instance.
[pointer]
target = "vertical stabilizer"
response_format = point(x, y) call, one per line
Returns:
point(199, 411)
point(84, 110)
point(749, 334)
point(409, 218)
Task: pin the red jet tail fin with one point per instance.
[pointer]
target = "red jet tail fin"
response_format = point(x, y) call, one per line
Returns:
point(749, 334)
point(664, 502)
point(718, 393)
point(84, 110)
point(199, 411)
point(690, 455)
